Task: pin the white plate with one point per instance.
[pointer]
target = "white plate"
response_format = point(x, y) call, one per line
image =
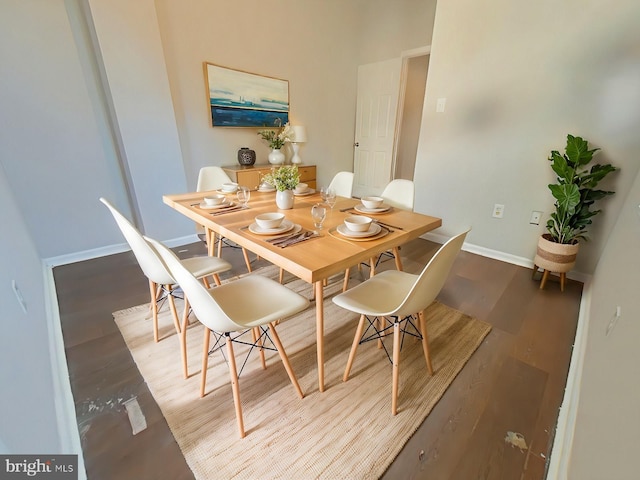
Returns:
point(374, 229)
point(225, 204)
point(362, 209)
point(308, 191)
point(285, 226)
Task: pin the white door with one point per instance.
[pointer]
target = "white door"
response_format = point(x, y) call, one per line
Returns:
point(377, 106)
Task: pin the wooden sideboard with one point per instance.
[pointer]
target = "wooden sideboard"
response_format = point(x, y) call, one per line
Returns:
point(252, 175)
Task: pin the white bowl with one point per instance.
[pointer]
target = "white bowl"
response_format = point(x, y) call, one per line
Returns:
point(269, 220)
point(301, 188)
point(229, 187)
point(358, 223)
point(214, 199)
point(372, 202)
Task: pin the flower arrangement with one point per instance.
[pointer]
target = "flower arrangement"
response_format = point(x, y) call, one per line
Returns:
point(284, 178)
point(277, 138)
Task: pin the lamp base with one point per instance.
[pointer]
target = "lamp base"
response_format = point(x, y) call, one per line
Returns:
point(296, 158)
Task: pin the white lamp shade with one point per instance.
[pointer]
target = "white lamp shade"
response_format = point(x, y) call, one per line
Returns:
point(299, 134)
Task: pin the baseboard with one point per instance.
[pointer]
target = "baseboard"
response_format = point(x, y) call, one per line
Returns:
point(503, 257)
point(64, 404)
point(110, 250)
point(558, 467)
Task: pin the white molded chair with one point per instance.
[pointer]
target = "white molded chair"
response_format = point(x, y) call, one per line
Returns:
point(212, 178)
point(342, 183)
point(161, 282)
point(393, 299)
point(249, 304)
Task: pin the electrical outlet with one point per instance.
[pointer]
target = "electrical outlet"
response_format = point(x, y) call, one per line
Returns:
point(535, 217)
point(498, 211)
point(440, 104)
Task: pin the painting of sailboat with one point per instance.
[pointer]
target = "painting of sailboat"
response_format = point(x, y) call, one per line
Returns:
point(242, 99)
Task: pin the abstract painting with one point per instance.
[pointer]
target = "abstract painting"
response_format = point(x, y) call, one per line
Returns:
point(242, 99)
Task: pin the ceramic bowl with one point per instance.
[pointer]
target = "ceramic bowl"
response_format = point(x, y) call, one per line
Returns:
point(372, 202)
point(358, 223)
point(229, 187)
point(212, 200)
point(269, 220)
point(301, 188)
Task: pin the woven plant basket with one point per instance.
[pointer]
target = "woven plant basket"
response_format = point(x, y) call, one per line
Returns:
point(555, 257)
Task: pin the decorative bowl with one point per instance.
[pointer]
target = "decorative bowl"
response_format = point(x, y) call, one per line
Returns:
point(301, 188)
point(269, 220)
point(372, 202)
point(214, 199)
point(358, 223)
point(229, 187)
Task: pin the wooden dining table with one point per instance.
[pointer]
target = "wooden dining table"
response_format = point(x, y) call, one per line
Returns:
point(313, 260)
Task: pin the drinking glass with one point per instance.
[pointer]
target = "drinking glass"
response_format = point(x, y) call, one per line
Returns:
point(318, 213)
point(331, 197)
point(323, 194)
point(243, 195)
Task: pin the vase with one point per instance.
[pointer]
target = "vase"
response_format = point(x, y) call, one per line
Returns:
point(276, 157)
point(246, 156)
point(284, 199)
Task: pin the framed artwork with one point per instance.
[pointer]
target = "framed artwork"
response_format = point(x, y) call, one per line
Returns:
point(242, 99)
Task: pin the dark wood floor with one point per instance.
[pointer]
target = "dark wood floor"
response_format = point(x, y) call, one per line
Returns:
point(513, 383)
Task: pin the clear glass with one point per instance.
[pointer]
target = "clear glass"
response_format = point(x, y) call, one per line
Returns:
point(331, 197)
point(318, 213)
point(323, 194)
point(243, 196)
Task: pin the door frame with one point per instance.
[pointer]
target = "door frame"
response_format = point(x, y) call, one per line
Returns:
point(405, 56)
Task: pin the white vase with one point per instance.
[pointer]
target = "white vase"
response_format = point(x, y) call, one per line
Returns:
point(284, 199)
point(276, 157)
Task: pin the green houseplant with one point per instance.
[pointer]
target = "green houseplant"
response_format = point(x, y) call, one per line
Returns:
point(575, 194)
point(284, 179)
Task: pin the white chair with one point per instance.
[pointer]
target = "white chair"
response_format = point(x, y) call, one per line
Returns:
point(247, 305)
point(393, 299)
point(161, 282)
point(212, 178)
point(342, 183)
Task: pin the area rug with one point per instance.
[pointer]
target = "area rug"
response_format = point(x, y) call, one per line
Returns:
point(345, 432)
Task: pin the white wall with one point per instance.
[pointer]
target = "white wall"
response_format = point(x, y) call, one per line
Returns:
point(28, 420)
point(518, 77)
point(607, 424)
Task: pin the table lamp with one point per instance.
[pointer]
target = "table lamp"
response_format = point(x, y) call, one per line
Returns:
point(299, 136)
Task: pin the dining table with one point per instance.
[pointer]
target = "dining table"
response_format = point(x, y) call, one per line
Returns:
point(325, 253)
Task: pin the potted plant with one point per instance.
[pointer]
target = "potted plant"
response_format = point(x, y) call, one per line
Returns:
point(284, 179)
point(575, 193)
point(276, 140)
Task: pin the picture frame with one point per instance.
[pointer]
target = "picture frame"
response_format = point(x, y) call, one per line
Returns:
point(242, 99)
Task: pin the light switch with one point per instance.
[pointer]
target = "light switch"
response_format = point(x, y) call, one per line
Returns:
point(440, 105)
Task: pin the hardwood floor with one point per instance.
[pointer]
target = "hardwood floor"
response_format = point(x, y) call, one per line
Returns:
point(513, 383)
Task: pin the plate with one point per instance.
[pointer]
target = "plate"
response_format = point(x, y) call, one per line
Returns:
point(224, 192)
point(362, 209)
point(309, 191)
point(266, 189)
point(285, 226)
point(225, 204)
point(374, 229)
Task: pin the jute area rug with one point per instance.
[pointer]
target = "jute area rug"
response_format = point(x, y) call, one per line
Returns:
point(345, 432)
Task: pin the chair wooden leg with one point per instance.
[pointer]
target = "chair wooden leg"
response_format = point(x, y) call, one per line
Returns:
point(381, 321)
point(372, 268)
point(219, 244)
point(345, 282)
point(154, 309)
point(545, 276)
point(205, 360)
point(563, 279)
point(354, 347)
point(174, 311)
point(425, 341)
point(396, 254)
point(281, 276)
point(183, 338)
point(205, 280)
point(255, 334)
point(233, 373)
point(246, 259)
point(285, 360)
point(396, 367)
